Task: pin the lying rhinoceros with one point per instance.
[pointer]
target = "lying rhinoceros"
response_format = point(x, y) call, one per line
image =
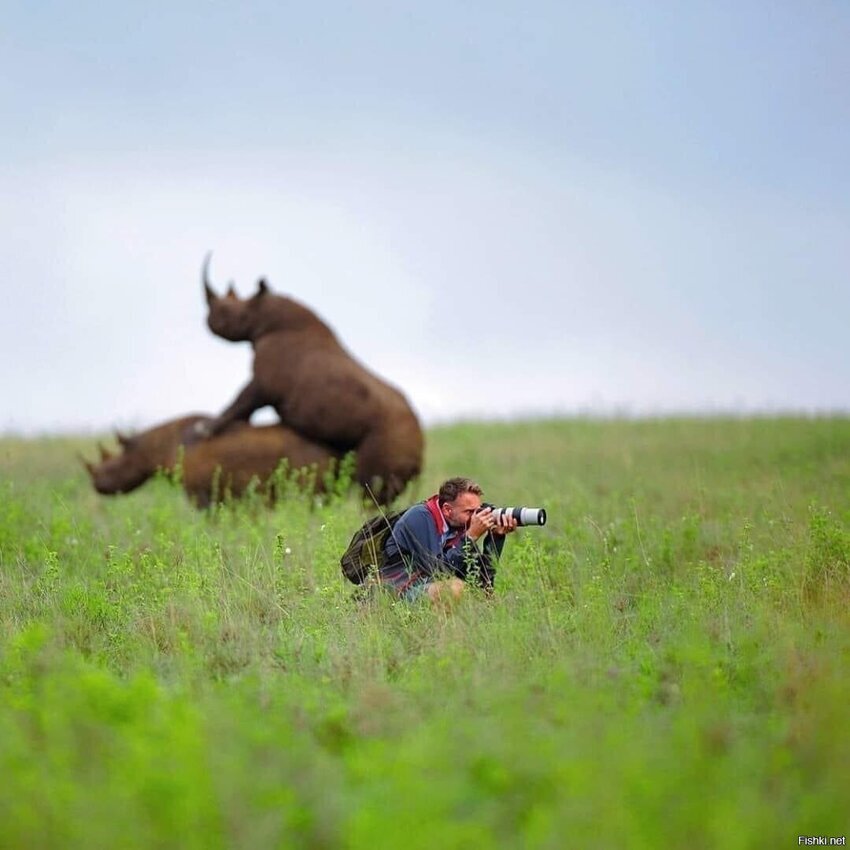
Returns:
point(223, 465)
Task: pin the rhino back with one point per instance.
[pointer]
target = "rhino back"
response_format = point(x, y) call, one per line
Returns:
point(323, 392)
point(241, 454)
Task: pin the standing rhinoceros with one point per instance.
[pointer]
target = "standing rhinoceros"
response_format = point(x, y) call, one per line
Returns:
point(316, 387)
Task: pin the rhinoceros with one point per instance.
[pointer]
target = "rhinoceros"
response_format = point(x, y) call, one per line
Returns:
point(225, 464)
point(316, 387)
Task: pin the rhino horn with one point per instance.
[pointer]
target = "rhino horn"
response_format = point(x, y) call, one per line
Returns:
point(105, 454)
point(262, 287)
point(205, 278)
point(89, 466)
point(123, 439)
point(231, 290)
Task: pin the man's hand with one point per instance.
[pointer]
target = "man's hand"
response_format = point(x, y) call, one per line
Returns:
point(485, 521)
point(507, 526)
point(481, 522)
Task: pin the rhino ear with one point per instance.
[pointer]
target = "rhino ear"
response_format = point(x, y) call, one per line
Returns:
point(205, 279)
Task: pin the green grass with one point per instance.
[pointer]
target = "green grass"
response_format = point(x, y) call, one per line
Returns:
point(665, 664)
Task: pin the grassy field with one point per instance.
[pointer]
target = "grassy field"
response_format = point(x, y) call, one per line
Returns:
point(665, 664)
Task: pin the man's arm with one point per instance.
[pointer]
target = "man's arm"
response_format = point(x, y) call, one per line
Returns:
point(468, 563)
point(414, 541)
point(493, 545)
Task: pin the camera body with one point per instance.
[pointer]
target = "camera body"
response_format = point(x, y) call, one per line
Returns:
point(523, 516)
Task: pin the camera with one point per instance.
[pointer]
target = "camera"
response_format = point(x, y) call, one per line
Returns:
point(523, 516)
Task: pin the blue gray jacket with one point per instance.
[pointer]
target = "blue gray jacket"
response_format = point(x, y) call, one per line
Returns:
point(415, 549)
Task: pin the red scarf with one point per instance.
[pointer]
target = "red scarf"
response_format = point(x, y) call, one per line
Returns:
point(433, 505)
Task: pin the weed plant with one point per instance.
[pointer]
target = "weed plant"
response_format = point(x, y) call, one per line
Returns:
point(665, 664)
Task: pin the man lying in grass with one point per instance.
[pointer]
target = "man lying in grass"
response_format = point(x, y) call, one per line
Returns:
point(433, 546)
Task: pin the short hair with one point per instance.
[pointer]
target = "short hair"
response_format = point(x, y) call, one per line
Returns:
point(451, 489)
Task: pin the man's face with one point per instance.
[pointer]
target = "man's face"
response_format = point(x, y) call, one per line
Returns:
point(459, 512)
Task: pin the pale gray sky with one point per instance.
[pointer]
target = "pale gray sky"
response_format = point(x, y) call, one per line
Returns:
point(503, 208)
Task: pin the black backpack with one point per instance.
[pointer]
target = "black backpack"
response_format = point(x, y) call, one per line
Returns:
point(365, 554)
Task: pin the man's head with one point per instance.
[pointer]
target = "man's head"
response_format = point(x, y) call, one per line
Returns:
point(459, 499)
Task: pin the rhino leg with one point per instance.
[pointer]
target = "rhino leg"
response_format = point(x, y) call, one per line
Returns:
point(385, 466)
point(250, 399)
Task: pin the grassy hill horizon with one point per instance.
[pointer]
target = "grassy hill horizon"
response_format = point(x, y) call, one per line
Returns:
point(664, 664)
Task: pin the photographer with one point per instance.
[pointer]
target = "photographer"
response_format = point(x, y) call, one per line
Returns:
point(433, 547)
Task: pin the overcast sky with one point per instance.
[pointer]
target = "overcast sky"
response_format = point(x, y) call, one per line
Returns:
point(503, 208)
